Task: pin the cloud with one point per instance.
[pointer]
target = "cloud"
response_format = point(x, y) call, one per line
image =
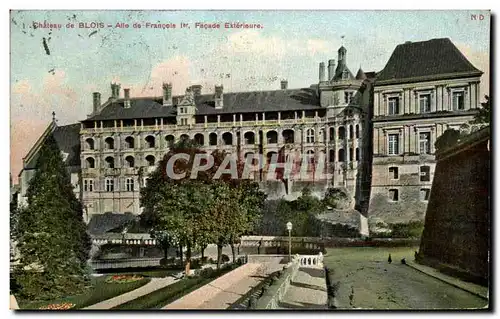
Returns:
point(481, 60)
point(174, 70)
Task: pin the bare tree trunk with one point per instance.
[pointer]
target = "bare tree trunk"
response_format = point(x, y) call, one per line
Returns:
point(233, 252)
point(181, 254)
point(219, 254)
point(188, 259)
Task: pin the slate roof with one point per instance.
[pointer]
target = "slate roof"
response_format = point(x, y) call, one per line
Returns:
point(68, 140)
point(417, 61)
point(102, 223)
point(235, 102)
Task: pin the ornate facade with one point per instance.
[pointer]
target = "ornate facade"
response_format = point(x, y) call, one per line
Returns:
point(376, 132)
point(124, 138)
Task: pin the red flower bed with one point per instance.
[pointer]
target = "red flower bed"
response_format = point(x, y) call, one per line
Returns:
point(58, 306)
point(122, 279)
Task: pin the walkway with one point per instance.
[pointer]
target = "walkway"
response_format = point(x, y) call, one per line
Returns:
point(368, 281)
point(306, 291)
point(154, 284)
point(225, 291)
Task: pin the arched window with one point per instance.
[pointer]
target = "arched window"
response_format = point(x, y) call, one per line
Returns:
point(212, 139)
point(130, 161)
point(227, 138)
point(90, 143)
point(110, 143)
point(357, 153)
point(151, 160)
point(272, 137)
point(129, 141)
point(332, 156)
point(332, 134)
point(170, 139)
point(199, 139)
point(90, 162)
point(351, 132)
point(110, 162)
point(272, 156)
point(341, 155)
point(357, 130)
point(310, 156)
point(150, 141)
point(341, 132)
point(322, 135)
point(310, 136)
point(351, 154)
point(288, 136)
point(249, 138)
point(184, 137)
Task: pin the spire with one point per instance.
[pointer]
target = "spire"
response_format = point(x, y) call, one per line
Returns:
point(360, 75)
point(54, 116)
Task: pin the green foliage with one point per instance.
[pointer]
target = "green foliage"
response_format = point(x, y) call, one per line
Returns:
point(484, 114)
point(99, 291)
point(449, 138)
point(52, 239)
point(333, 196)
point(412, 229)
point(301, 213)
point(161, 297)
point(197, 212)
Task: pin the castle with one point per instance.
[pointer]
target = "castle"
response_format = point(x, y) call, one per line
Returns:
point(376, 131)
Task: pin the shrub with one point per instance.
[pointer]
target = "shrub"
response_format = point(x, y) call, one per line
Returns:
point(225, 258)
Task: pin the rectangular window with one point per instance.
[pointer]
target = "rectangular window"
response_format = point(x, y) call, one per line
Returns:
point(458, 101)
point(393, 141)
point(110, 185)
point(88, 185)
point(425, 142)
point(393, 172)
point(348, 97)
point(425, 173)
point(393, 105)
point(393, 195)
point(425, 103)
point(130, 184)
point(424, 194)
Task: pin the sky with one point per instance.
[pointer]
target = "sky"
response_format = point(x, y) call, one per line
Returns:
point(58, 69)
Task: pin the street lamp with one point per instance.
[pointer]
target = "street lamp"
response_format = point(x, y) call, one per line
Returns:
point(289, 227)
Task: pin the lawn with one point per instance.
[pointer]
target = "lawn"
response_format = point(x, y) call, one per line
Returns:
point(161, 297)
point(99, 291)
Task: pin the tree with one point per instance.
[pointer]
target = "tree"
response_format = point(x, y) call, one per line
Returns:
point(484, 114)
point(52, 240)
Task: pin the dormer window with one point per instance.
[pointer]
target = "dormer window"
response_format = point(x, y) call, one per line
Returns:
point(345, 75)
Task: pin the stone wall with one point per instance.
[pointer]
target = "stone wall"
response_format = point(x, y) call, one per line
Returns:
point(457, 223)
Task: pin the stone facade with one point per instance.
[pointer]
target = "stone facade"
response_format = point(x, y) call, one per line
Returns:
point(119, 151)
point(410, 114)
point(456, 236)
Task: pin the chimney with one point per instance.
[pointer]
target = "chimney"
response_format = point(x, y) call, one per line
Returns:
point(126, 102)
point(322, 71)
point(167, 94)
point(219, 96)
point(331, 69)
point(97, 101)
point(284, 84)
point(196, 90)
point(115, 91)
